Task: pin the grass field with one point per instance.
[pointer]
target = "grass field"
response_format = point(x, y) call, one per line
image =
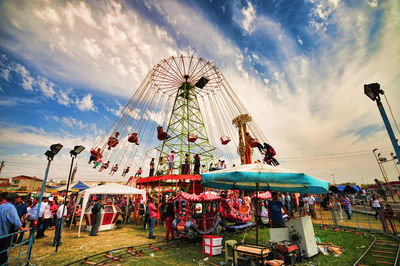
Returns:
point(74, 248)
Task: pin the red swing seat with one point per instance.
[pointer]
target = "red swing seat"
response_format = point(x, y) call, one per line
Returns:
point(160, 136)
point(254, 143)
point(192, 137)
point(225, 140)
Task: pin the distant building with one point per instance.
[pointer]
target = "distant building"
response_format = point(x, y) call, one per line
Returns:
point(26, 183)
point(4, 183)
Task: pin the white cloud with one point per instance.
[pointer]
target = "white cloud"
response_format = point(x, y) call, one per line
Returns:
point(249, 14)
point(72, 122)
point(372, 3)
point(48, 14)
point(86, 103)
point(46, 87)
point(92, 48)
point(5, 74)
point(27, 80)
point(63, 98)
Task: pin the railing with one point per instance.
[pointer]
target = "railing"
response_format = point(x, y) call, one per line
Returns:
point(379, 220)
point(14, 249)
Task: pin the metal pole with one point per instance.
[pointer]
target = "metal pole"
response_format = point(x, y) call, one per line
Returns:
point(257, 211)
point(389, 130)
point(32, 235)
point(66, 196)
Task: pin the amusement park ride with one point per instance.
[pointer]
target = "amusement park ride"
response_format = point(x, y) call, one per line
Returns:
point(204, 108)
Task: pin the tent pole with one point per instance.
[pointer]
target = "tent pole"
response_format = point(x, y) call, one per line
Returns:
point(257, 211)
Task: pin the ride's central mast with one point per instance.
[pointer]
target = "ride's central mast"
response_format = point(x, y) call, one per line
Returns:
point(187, 129)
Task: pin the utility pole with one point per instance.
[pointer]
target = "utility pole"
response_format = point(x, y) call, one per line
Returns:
point(2, 165)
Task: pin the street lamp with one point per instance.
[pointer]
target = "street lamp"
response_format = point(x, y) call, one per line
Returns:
point(54, 149)
point(77, 149)
point(373, 91)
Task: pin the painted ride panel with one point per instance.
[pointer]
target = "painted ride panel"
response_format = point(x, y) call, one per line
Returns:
point(109, 216)
point(206, 213)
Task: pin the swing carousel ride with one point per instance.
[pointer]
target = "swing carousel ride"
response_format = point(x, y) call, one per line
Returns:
point(185, 105)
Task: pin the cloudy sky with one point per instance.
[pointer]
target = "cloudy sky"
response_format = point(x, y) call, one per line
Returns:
point(298, 66)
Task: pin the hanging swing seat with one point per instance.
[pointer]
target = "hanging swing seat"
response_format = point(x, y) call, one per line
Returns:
point(225, 140)
point(192, 137)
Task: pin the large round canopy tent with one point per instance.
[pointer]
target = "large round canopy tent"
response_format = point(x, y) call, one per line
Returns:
point(262, 177)
point(107, 189)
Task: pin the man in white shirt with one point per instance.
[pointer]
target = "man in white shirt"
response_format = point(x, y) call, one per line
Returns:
point(60, 215)
point(32, 217)
point(311, 206)
point(47, 215)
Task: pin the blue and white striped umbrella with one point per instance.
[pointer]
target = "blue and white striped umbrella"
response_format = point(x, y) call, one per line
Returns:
point(263, 177)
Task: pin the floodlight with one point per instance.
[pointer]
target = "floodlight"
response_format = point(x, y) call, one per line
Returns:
point(202, 82)
point(372, 91)
point(54, 149)
point(77, 149)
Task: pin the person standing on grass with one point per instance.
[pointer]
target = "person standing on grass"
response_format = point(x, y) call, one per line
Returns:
point(96, 210)
point(275, 207)
point(338, 207)
point(8, 216)
point(347, 207)
point(376, 206)
point(22, 211)
point(311, 206)
point(169, 219)
point(146, 215)
point(302, 212)
point(153, 216)
point(60, 215)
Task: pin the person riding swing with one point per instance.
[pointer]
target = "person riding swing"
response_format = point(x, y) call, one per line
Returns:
point(134, 138)
point(113, 141)
point(161, 135)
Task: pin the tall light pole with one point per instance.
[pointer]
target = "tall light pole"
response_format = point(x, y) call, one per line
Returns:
point(394, 157)
point(54, 149)
point(380, 160)
point(372, 91)
point(74, 153)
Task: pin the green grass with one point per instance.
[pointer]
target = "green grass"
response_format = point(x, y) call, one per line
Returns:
point(75, 248)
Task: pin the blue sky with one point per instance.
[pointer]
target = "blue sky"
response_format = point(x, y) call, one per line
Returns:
point(299, 67)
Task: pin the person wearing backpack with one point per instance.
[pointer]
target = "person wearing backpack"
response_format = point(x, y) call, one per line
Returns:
point(96, 210)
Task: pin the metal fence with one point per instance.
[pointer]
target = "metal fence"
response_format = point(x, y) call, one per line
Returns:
point(15, 249)
point(379, 220)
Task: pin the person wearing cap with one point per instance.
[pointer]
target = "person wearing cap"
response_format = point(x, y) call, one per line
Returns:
point(8, 216)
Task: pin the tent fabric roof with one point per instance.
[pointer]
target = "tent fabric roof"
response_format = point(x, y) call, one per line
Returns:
point(80, 185)
point(168, 177)
point(113, 188)
point(199, 198)
point(264, 177)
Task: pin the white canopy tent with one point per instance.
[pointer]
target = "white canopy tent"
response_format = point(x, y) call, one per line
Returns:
point(107, 189)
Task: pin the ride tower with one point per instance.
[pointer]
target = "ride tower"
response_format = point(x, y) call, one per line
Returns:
point(186, 128)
